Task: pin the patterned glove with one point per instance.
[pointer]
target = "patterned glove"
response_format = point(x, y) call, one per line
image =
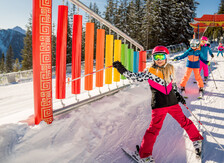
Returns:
point(209, 63)
point(120, 68)
point(180, 98)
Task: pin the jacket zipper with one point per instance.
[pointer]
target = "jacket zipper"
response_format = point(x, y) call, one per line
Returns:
point(164, 81)
point(193, 57)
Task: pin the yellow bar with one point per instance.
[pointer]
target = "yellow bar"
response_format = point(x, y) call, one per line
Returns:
point(117, 57)
point(109, 58)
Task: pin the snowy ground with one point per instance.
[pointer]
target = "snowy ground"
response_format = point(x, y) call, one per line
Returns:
point(96, 132)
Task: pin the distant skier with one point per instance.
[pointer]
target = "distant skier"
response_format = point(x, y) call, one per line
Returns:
point(205, 49)
point(165, 98)
point(194, 55)
point(220, 49)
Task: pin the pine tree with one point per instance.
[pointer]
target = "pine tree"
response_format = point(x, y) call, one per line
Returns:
point(145, 28)
point(109, 13)
point(221, 7)
point(2, 64)
point(27, 49)
point(69, 39)
point(185, 13)
point(168, 21)
point(53, 46)
point(95, 8)
point(9, 59)
point(16, 66)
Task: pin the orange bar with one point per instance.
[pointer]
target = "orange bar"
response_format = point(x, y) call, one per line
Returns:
point(89, 48)
point(117, 57)
point(100, 41)
point(109, 58)
point(42, 72)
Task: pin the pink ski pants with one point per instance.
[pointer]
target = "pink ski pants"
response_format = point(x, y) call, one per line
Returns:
point(204, 67)
point(158, 116)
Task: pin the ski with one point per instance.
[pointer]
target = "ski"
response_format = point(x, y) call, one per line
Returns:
point(133, 155)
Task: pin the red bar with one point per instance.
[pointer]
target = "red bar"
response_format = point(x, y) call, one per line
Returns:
point(76, 53)
point(142, 60)
point(100, 44)
point(89, 48)
point(41, 46)
point(61, 51)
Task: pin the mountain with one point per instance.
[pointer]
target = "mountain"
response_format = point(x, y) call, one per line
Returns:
point(13, 37)
point(19, 29)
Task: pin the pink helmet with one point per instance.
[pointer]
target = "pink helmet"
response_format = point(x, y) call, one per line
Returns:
point(160, 49)
point(204, 38)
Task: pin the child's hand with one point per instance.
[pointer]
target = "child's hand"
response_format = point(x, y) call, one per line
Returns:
point(180, 98)
point(117, 64)
point(120, 68)
point(176, 58)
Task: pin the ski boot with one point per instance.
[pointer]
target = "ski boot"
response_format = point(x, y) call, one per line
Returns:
point(201, 90)
point(201, 93)
point(148, 159)
point(182, 89)
point(205, 78)
point(197, 146)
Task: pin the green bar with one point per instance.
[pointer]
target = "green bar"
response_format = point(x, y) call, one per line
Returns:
point(124, 52)
point(130, 59)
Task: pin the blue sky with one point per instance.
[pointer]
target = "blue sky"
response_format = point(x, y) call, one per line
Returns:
point(16, 12)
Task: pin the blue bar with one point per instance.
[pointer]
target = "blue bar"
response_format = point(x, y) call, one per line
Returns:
point(135, 61)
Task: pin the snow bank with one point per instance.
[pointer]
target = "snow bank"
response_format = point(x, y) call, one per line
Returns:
point(96, 132)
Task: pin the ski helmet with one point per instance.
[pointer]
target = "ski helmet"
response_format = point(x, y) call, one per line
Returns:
point(204, 38)
point(160, 52)
point(160, 49)
point(194, 43)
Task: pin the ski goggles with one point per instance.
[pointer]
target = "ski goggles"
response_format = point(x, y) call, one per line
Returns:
point(159, 56)
point(194, 45)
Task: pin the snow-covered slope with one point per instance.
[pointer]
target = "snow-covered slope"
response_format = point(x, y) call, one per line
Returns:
point(96, 132)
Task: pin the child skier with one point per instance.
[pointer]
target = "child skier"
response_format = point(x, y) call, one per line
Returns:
point(220, 49)
point(205, 49)
point(165, 98)
point(193, 64)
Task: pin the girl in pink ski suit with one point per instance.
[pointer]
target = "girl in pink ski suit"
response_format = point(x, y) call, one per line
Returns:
point(165, 98)
point(205, 50)
point(220, 49)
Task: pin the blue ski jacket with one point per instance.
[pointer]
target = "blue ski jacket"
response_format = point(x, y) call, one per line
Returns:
point(194, 56)
point(205, 50)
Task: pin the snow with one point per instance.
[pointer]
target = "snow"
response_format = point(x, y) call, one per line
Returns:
point(96, 132)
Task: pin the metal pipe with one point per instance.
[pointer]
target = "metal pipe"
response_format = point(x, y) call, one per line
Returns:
point(106, 23)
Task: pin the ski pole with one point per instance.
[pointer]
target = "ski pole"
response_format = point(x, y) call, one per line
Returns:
point(204, 127)
point(213, 77)
point(89, 74)
point(218, 69)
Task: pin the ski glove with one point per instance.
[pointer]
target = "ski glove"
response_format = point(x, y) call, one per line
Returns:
point(120, 68)
point(209, 63)
point(176, 58)
point(212, 55)
point(180, 98)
